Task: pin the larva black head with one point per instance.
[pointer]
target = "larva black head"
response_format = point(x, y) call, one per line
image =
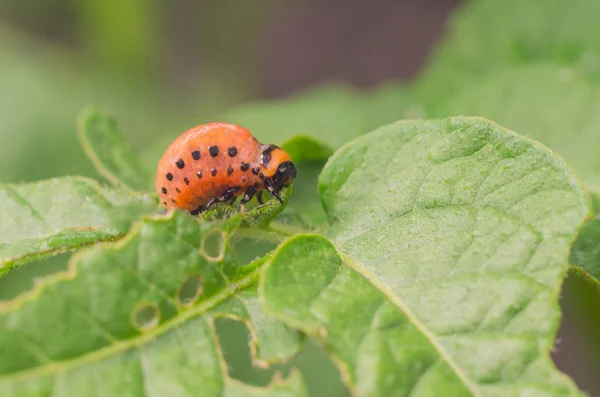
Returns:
point(284, 176)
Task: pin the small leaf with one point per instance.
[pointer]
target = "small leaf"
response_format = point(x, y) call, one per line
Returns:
point(62, 214)
point(114, 159)
point(124, 329)
point(585, 252)
point(449, 241)
point(304, 148)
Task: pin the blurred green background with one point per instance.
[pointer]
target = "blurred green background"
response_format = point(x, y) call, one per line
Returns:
point(162, 66)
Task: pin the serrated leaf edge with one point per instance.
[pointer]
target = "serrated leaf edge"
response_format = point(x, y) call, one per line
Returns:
point(93, 156)
point(10, 263)
point(254, 341)
point(142, 338)
point(275, 379)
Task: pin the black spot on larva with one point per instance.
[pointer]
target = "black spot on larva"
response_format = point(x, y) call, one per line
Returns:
point(244, 178)
point(180, 164)
point(196, 154)
point(164, 190)
point(177, 190)
point(256, 170)
point(199, 174)
point(186, 180)
point(265, 158)
point(213, 171)
point(244, 166)
point(229, 170)
point(174, 201)
point(169, 176)
point(164, 203)
point(214, 151)
point(261, 175)
point(232, 151)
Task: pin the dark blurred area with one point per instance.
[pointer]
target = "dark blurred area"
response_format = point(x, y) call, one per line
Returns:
point(160, 66)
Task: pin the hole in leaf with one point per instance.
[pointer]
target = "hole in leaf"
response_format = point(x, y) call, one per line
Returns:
point(213, 245)
point(146, 316)
point(233, 338)
point(190, 290)
point(321, 376)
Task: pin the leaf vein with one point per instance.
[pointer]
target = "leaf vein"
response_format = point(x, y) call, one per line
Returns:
point(420, 378)
point(34, 212)
point(137, 273)
point(385, 289)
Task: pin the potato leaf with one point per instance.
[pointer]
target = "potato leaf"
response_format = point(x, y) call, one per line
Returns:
point(62, 214)
point(108, 150)
point(558, 108)
point(136, 318)
point(446, 248)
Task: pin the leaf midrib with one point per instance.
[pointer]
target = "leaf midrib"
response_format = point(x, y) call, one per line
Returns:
point(385, 289)
point(33, 211)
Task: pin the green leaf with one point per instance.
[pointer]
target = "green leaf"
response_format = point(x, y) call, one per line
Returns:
point(585, 253)
point(551, 104)
point(305, 149)
point(492, 35)
point(555, 106)
point(137, 318)
point(62, 214)
point(108, 150)
point(448, 244)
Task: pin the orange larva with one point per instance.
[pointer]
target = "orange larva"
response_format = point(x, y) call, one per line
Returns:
point(217, 162)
